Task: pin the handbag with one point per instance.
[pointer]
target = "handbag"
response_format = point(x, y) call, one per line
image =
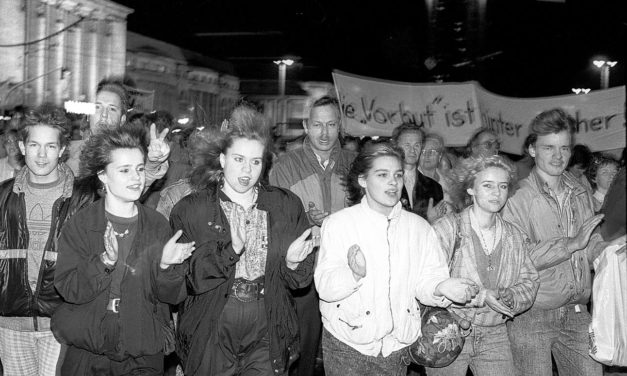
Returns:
point(442, 331)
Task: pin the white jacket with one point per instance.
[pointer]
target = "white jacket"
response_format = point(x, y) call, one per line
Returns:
point(378, 314)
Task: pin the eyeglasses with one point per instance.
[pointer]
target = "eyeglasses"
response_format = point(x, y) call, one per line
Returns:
point(490, 144)
point(431, 152)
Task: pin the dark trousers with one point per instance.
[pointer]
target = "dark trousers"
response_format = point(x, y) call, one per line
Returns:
point(243, 343)
point(82, 362)
point(310, 327)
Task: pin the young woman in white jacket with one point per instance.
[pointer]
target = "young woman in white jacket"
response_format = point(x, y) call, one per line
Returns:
point(376, 261)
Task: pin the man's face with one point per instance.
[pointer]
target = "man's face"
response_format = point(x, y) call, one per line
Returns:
point(323, 127)
point(551, 153)
point(109, 112)
point(487, 145)
point(41, 151)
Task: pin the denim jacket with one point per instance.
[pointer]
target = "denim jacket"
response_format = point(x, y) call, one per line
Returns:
point(564, 276)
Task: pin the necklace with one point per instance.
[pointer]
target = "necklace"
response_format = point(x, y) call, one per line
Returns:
point(488, 251)
point(121, 234)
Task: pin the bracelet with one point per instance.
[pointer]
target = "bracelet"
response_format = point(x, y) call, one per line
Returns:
point(106, 260)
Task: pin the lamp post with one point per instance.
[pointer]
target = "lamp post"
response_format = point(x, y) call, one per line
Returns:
point(283, 64)
point(605, 66)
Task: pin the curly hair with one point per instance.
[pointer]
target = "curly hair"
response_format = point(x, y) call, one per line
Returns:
point(207, 144)
point(50, 115)
point(598, 162)
point(463, 176)
point(96, 153)
point(363, 163)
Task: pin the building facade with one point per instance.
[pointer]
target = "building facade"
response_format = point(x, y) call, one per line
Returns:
point(180, 80)
point(55, 50)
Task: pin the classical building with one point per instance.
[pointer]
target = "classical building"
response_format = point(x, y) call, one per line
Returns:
point(180, 79)
point(54, 50)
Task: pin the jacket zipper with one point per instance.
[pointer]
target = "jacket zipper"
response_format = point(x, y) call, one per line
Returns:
point(387, 238)
point(42, 265)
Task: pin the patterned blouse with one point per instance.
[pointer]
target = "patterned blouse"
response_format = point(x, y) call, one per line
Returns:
point(252, 262)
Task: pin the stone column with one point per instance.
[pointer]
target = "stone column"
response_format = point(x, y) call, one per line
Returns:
point(92, 59)
point(12, 31)
point(39, 55)
point(58, 61)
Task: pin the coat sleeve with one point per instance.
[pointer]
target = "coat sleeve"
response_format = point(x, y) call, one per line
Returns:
point(333, 277)
point(169, 284)
point(302, 276)
point(528, 282)
point(80, 275)
point(544, 254)
point(212, 263)
point(433, 268)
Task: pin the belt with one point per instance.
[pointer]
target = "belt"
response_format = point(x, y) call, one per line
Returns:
point(247, 291)
point(114, 305)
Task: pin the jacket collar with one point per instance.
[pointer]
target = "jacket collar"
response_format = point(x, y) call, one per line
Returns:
point(97, 221)
point(394, 214)
point(65, 174)
point(570, 182)
point(308, 149)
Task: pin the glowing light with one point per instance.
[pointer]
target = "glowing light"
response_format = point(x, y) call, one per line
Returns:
point(183, 121)
point(76, 107)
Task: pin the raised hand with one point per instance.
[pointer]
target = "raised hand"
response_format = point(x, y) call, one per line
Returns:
point(580, 241)
point(300, 249)
point(356, 262)
point(158, 149)
point(458, 290)
point(316, 216)
point(111, 244)
point(175, 253)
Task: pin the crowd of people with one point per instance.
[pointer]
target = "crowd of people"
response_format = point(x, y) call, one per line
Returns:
point(136, 246)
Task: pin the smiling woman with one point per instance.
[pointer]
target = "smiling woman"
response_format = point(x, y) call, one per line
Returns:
point(121, 320)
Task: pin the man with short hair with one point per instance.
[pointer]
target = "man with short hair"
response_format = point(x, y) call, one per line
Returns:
point(111, 106)
point(33, 208)
point(314, 173)
point(555, 211)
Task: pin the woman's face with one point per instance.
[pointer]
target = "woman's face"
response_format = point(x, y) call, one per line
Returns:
point(431, 155)
point(605, 176)
point(411, 143)
point(242, 164)
point(124, 176)
point(489, 191)
point(10, 145)
point(383, 184)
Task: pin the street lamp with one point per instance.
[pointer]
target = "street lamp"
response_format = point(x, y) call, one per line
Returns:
point(605, 71)
point(283, 64)
point(580, 90)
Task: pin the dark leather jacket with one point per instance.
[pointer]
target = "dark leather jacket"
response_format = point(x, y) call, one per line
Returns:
point(16, 297)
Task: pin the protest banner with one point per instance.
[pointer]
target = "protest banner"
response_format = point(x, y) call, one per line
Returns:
point(373, 107)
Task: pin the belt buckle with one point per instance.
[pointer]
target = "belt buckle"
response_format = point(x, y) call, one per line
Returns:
point(114, 304)
point(244, 298)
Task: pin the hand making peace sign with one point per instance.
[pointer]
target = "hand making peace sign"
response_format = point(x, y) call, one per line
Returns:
point(158, 150)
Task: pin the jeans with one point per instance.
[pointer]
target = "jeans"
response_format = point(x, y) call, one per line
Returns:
point(342, 360)
point(563, 332)
point(486, 351)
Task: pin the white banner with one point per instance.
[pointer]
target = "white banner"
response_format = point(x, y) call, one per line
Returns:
point(373, 107)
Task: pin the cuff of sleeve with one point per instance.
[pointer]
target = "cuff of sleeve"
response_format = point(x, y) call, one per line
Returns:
point(229, 256)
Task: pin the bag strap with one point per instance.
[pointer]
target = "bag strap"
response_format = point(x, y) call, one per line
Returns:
point(451, 262)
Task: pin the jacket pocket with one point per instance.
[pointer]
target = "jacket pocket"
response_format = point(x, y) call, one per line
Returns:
point(354, 321)
point(79, 325)
point(408, 328)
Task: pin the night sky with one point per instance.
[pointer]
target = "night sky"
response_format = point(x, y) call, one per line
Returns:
point(543, 48)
